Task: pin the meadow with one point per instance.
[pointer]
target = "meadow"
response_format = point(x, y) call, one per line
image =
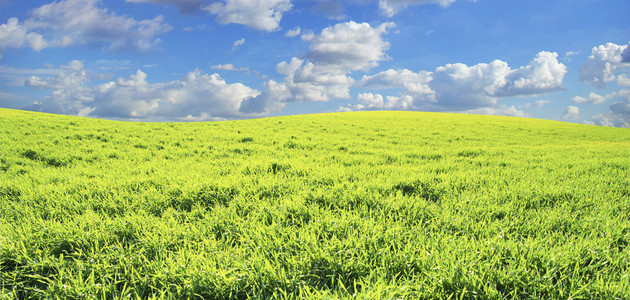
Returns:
point(365, 205)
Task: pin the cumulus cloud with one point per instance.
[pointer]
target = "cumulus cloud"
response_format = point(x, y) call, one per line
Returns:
point(349, 46)
point(83, 22)
point(482, 85)
point(592, 98)
point(604, 63)
point(619, 114)
point(333, 54)
point(14, 34)
point(543, 74)
point(369, 101)
point(477, 88)
point(389, 8)
point(271, 99)
point(71, 22)
point(571, 113)
point(257, 14)
point(195, 96)
point(501, 110)
point(293, 32)
point(623, 79)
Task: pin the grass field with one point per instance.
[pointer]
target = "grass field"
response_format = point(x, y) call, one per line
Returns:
point(369, 205)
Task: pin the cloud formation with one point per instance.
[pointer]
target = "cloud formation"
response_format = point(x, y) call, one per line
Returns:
point(195, 96)
point(619, 114)
point(81, 22)
point(571, 113)
point(16, 35)
point(604, 63)
point(592, 98)
point(257, 14)
point(458, 87)
point(333, 54)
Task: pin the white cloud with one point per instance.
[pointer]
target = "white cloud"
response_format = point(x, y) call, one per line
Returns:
point(394, 79)
point(195, 95)
point(501, 110)
point(333, 54)
point(619, 114)
point(463, 87)
point(370, 101)
point(592, 98)
point(349, 46)
point(543, 74)
point(478, 88)
point(238, 43)
point(82, 22)
point(389, 8)
point(16, 35)
point(257, 14)
point(623, 79)
point(604, 63)
point(271, 99)
point(229, 67)
point(571, 113)
point(293, 32)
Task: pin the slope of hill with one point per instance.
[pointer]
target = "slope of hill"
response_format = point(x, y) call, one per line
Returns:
point(373, 204)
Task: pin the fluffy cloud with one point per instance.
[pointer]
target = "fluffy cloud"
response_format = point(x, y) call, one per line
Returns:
point(349, 46)
point(16, 35)
point(458, 87)
point(293, 32)
point(333, 55)
point(619, 114)
point(271, 99)
point(389, 8)
point(482, 85)
point(81, 22)
point(195, 95)
point(369, 101)
point(571, 113)
point(501, 110)
point(592, 98)
point(623, 79)
point(257, 14)
point(604, 63)
point(543, 74)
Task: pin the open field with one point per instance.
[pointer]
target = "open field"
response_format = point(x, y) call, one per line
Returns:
point(372, 205)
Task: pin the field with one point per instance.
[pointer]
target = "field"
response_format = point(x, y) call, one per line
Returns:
point(368, 205)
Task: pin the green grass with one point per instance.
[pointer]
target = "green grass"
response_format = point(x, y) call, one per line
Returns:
point(372, 205)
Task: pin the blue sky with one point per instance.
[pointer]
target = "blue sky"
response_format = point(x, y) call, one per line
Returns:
point(198, 60)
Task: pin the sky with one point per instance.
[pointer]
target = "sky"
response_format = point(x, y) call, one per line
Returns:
point(205, 60)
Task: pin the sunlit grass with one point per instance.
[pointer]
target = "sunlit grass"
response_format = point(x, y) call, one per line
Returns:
point(372, 205)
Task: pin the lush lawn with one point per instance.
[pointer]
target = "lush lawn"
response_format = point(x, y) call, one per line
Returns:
point(372, 205)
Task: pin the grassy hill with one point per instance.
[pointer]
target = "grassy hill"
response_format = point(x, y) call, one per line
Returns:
point(371, 205)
